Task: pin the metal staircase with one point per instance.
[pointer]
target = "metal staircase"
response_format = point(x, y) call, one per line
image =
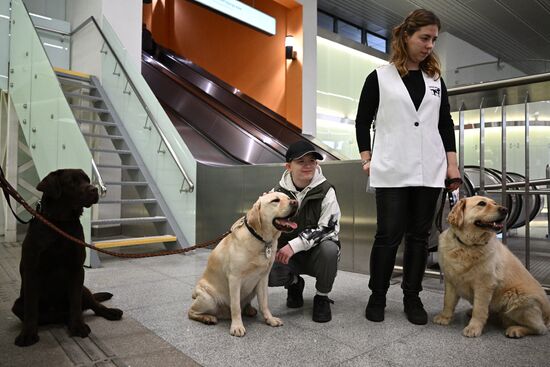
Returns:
point(132, 212)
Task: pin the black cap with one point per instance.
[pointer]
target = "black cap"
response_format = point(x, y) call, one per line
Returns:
point(300, 149)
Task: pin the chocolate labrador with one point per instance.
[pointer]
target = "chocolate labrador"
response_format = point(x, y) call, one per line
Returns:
point(52, 273)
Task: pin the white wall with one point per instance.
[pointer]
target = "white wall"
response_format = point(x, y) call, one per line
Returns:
point(125, 16)
point(455, 53)
point(86, 43)
point(309, 67)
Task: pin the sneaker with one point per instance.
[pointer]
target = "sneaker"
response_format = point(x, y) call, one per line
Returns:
point(414, 309)
point(375, 308)
point(294, 298)
point(321, 309)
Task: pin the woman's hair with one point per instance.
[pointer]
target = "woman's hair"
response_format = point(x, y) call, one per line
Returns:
point(412, 23)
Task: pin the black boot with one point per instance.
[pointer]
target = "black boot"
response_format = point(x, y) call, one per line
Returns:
point(321, 309)
point(414, 309)
point(295, 298)
point(375, 307)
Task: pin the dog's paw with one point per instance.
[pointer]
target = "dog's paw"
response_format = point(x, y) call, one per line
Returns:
point(274, 321)
point(237, 330)
point(472, 331)
point(111, 314)
point(26, 339)
point(441, 319)
point(515, 332)
point(80, 329)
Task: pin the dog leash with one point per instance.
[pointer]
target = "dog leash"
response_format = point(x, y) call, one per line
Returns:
point(9, 190)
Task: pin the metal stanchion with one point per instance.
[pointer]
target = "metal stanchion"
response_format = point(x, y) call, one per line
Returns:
point(527, 197)
point(461, 147)
point(481, 148)
point(503, 162)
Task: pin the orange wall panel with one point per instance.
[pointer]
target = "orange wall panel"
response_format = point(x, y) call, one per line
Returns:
point(244, 57)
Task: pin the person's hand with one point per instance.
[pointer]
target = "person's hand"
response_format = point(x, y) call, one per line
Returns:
point(366, 168)
point(284, 254)
point(453, 172)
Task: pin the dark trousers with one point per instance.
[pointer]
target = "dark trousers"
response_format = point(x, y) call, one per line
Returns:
point(402, 211)
point(320, 262)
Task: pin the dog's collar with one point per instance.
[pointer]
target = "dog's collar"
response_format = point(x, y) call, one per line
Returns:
point(458, 239)
point(255, 234)
point(464, 243)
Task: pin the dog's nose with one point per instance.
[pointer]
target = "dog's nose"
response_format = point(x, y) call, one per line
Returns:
point(293, 202)
point(92, 189)
point(503, 210)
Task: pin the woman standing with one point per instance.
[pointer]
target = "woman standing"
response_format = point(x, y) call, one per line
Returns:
point(413, 152)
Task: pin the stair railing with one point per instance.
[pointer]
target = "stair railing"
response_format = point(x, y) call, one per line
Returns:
point(129, 88)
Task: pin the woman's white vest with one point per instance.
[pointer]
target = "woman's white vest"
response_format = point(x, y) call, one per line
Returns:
point(408, 150)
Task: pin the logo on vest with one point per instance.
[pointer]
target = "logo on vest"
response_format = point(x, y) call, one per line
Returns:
point(436, 92)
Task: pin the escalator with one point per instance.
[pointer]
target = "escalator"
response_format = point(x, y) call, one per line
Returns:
point(220, 125)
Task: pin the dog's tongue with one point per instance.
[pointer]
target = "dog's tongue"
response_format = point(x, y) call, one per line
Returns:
point(288, 223)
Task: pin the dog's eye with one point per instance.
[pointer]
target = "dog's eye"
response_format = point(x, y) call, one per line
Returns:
point(482, 203)
point(275, 200)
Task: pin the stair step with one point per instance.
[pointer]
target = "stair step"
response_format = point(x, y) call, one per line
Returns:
point(112, 151)
point(126, 183)
point(138, 220)
point(118, 166)
point(71, 74)
point(75, 83)
point(83, 96)
point(103, 136)
point(134, 241)
point(129, 201)
point(96, 122)
point(89, 108)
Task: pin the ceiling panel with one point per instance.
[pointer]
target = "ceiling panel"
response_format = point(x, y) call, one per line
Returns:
point(509, 29)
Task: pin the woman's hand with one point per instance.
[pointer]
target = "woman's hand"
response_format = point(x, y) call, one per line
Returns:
point(453, 172)
point(366, 168)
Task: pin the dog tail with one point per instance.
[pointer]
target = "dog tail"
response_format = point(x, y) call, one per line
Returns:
point(102, 296)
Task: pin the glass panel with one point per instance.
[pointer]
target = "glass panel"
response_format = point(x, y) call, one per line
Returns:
point(376, 42)
point(349, 31)
point(325, 21)
point(46, 120)
point(160, 164)
point(4, 42)
point(341, 73)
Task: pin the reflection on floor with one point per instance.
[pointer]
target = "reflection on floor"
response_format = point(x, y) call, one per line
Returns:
point(155, 294)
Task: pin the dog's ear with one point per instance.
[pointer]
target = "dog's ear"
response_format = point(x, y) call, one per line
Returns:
point(456, 216)
point(50, 185)
point(254, 216)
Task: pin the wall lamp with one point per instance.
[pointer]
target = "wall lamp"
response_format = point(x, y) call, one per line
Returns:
point(290, 54)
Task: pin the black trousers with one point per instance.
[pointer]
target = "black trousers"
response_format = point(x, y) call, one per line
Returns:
point(320, 262)
point(402, 211)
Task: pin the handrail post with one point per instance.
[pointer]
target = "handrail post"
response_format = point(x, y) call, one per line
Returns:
point(481, 148)
point(461, 146)
point(548, 201)
point(527, 194)
point(503, 178)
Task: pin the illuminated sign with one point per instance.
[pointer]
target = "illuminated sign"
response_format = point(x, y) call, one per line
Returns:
point(243, 13)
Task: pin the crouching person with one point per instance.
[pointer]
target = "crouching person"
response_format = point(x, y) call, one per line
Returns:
point(313, 247)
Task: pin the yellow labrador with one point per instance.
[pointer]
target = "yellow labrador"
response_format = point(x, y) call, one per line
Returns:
point(239, 266)
point(482, 270)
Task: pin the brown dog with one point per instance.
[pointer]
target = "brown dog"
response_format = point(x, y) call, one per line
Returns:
point(52, 276)
point(239, 266)
point(482, 270)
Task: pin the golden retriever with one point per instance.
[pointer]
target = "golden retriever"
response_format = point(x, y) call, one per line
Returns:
point(238, 268)
point(482, 270)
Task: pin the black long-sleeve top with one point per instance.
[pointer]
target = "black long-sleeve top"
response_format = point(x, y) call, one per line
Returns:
point(414, 81)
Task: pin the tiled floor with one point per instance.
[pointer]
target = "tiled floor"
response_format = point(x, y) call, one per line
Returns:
point(155, 294)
